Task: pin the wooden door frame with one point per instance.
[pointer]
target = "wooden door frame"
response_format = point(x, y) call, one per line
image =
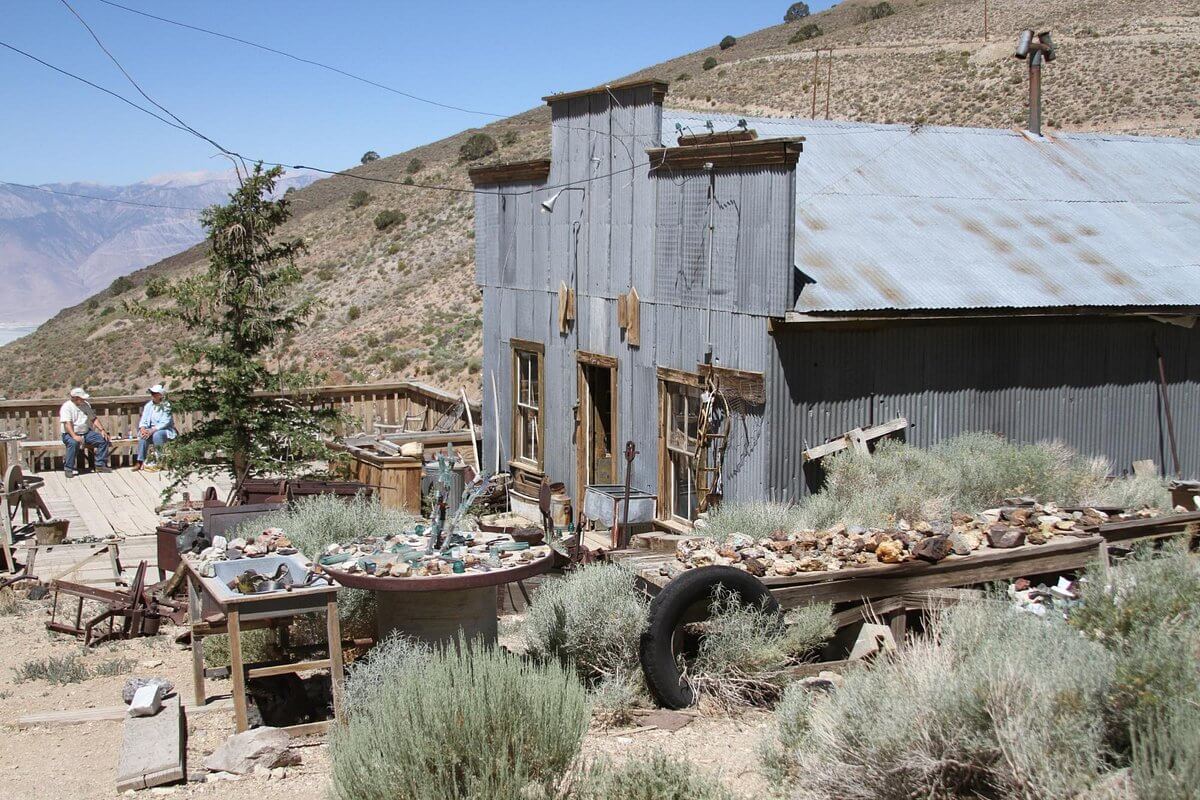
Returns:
point(584, 359)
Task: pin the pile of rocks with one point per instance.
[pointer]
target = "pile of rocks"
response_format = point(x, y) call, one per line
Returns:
point(406, 555)
point(786, 553)
point(271, 540)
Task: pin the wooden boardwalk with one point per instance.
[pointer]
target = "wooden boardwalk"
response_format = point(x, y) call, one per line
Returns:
point(121, 504)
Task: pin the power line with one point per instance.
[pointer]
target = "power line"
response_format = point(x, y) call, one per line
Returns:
point(304, 60)
point(340, 173)
point(101, 199)
point(138, 86)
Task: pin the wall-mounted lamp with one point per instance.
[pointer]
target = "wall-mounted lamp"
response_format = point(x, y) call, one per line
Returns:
point(548, 204)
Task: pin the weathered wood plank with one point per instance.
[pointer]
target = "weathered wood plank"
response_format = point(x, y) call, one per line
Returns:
point(154, 750)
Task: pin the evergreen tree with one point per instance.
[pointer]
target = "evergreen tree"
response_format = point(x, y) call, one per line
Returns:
point(234, 314)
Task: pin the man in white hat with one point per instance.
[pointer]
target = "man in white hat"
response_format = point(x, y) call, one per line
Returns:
point(80, 427)
point(157, 426)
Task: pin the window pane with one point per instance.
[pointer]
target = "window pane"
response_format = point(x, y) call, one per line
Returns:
point(683, 494)
point(535, 390)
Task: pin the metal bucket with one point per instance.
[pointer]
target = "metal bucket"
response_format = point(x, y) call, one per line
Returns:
point(53, 531)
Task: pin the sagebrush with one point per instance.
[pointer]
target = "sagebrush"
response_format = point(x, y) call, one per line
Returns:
point(469, 722)
point(744, 653)
point(995, 704)
point(657, 777)
point(590, 620)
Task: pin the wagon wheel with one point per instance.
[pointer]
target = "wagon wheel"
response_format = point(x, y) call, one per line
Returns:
point(20, 494)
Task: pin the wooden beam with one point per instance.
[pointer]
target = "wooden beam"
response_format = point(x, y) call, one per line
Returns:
point(657, 87)
point(856, 438)
point(783, 152)
point(154, 749)
point(86, 716)
point(535, 171)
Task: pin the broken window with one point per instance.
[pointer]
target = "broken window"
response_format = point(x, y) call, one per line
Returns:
point(527, 405)
point(681, 404)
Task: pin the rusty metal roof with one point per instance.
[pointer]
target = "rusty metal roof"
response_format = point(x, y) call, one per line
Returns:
point(893, 218)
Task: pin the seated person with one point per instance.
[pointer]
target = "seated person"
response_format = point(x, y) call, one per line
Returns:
point(80, 427)
point(157, 426)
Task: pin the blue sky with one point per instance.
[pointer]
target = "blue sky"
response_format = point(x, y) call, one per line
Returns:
point(493, 56)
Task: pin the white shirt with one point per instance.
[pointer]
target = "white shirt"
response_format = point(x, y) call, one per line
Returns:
point(80, 416)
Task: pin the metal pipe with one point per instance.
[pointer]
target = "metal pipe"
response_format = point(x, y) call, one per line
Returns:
point(828, 81)
point(1162, 382)
point(1035, 93)
point(816, 78)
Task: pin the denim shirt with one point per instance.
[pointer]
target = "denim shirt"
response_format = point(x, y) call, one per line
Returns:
point(158, 417)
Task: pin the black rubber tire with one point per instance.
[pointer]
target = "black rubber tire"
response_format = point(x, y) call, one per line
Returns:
point(683, 600)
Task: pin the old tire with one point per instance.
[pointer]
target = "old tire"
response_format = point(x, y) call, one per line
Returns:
point(686, 599)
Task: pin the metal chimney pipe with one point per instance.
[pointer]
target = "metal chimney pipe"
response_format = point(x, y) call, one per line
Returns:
point(1035, 93)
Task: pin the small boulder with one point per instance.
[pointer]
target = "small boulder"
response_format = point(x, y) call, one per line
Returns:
point(242, 752)
point(890, 551)
point(933, 548)
point(133, 684)
point(962, 544)
point(1003, 537)
point(755, 567)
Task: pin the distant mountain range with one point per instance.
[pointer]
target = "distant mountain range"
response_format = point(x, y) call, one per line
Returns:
point(57, 248)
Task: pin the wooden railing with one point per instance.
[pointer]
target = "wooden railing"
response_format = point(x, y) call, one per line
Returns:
point(421, 405)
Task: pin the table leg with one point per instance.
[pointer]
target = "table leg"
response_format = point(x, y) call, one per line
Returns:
point(198, 694)
point(333, 631)
point(236, 673)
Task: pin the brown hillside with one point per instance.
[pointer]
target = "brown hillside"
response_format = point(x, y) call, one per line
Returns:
point(418, 313)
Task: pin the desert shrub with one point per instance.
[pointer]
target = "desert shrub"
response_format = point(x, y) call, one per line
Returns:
point(658, 777)
point(156, 287)
point(790, 725)
point(744, 653)
point(756, 520)
point(727, 42)
point(408, 181)
point(112, 666)
point(590, 620)
point(995, 704)
point(683, 76)
point(258, 645)
point(880, 10)
point(1134, 492)
point(808, 31)
point(359, 199)
point(388, 218)
point(964, 473)
point(347, 351)
point(120, 286)
point(368, 157)
point(353, 313)
point(93, 304)
point(1166, 755)
point(1147, 589)
point(10, 603)
point(414, 166)
point(477, 146)
point(509, 138)
point(314, 523)
point(367, 677)
point(56, 670)
point(615, 698)
point(487, 725)
point(708, 64)
point(796, 11)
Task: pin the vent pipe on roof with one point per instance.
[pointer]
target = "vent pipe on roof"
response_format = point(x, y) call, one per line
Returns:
point(1037, 48)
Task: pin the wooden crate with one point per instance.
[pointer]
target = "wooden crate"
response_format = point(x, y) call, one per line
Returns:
point(395, 479)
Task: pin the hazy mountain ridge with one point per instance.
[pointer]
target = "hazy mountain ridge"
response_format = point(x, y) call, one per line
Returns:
point(57, 249)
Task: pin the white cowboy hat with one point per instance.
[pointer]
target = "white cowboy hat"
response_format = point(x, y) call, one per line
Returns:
point(156, 389)
point(80, 393)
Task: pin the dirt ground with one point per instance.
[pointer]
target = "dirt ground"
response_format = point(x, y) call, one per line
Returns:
point(78, 762)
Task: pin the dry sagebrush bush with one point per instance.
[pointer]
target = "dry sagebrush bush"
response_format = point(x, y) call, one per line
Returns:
point(967, 473)
point(590, 620)
point(744, 655)
point(313, 523)
point(998, 705)
point(658, 777)
point(464, 722)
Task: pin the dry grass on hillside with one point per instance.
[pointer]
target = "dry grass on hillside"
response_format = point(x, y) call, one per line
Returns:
point(402, 302)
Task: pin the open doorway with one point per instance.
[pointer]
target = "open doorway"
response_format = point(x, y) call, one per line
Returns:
point(597, 421)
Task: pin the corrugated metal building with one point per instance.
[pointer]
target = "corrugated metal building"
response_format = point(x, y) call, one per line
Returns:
point(831, 276)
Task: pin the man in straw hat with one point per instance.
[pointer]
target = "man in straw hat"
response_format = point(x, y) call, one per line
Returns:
point(157, 426)
point(81, 428)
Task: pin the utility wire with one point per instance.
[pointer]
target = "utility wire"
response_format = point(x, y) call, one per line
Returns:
point(101, 199)
point(304, 60)
point(339, 173)
point(138, 86)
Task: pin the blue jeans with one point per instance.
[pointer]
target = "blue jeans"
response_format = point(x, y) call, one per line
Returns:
point(158, 439)
point(90, 438)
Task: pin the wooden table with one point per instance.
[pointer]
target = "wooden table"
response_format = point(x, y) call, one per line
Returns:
point(212, 610)
point(1062, 554)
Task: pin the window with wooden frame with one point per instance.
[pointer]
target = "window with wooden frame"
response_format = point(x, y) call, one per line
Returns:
point(528, 422)
point(680, 404)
